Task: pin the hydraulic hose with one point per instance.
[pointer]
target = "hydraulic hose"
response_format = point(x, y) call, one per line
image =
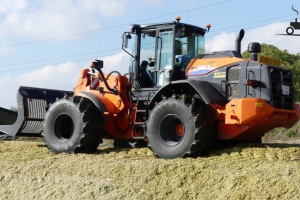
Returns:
point(126, 129)
point(113, 90)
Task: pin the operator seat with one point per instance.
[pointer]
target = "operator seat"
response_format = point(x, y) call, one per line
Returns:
point(144, 79)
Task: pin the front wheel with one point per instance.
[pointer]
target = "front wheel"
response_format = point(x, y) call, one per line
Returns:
point(179, 127)
point(290, 30)
point(73, 126)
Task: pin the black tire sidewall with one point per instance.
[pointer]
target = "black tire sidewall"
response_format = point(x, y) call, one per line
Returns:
point(290, 33)
point(158, 146)
point(53, 142)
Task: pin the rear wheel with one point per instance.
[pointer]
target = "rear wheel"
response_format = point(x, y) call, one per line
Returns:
point(179, 128)
point(73, 126)
point(290, 30)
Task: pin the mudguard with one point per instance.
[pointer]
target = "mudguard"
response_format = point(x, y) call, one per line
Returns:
point(102, 102)
point(207, 93)
point(99, 104)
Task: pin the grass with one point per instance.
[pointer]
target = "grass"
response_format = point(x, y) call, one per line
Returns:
point(246, 171)
point(283, 133)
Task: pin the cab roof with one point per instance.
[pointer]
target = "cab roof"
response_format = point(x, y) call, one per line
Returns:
point(187, 27)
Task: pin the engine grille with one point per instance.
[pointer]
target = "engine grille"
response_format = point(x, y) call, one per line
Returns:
point(279, 79)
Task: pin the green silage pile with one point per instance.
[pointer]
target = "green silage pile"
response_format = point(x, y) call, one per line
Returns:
point(267, 171)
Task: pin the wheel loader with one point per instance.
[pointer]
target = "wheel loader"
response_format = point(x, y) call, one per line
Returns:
point(176, 98)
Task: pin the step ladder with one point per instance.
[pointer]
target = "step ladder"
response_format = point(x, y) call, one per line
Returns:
point(139, 114)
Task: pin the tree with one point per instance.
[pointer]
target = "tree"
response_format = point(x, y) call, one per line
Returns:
point(14, 108)
point(290, 61)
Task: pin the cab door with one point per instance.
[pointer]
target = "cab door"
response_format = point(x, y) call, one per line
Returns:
point(164, 61)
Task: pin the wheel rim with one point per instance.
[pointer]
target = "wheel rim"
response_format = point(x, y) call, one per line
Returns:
point(180, 130)
point(289, 30)
point(63, 127)
point(171, 130)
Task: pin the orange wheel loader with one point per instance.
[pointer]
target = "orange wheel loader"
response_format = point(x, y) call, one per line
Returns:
point(175, 98)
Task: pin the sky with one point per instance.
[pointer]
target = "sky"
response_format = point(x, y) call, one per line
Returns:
point(45, 43)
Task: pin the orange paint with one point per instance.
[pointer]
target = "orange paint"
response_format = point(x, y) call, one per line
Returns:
point(180, 130)
point(204, 66)
point(251, 118)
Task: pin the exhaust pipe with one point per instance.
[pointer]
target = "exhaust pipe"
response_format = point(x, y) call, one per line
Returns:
point(238, 41)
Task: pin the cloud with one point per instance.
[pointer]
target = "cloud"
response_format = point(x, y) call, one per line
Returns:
point(157, 3)
point(220, 42)
point(266, 34)
point(118, 62)
point(63, 77)
point(42, 19)
point(12, 5)
point(108, 8)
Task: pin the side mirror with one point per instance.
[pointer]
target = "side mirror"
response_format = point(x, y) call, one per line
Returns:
point(126, 37)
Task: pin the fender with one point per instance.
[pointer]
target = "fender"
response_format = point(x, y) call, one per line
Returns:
point(102, 103)
point(207, 93)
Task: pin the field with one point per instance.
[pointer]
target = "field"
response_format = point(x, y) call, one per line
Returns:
point(246, 171)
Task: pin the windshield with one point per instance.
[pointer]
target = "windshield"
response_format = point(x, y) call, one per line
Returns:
point(192, 44)
point(187, 46)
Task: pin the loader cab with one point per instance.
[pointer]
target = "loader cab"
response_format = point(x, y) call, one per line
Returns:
point(166, 48)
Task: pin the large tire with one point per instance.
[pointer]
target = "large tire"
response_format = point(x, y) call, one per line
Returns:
point(73, 126)
point(179, 128)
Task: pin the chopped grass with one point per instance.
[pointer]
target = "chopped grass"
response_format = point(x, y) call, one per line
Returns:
point(246, 171)
point(283, 133)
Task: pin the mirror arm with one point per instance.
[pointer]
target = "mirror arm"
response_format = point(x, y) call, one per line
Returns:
point(125, 43)
point(127, 52)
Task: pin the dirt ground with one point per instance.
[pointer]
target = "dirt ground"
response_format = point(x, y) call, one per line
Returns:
point(249, 171)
